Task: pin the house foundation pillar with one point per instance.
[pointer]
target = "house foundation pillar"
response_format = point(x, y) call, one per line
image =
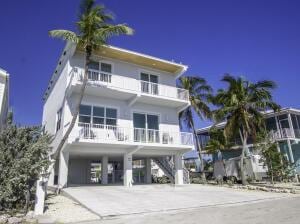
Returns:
point(63, 169)
point(178, 169)
point(127, 180)
point(104, 170)
point(148, 176)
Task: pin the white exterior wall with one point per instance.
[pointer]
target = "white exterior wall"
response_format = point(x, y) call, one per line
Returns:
point(54, 102)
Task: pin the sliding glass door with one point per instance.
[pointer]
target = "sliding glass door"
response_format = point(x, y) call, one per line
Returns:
point(146, 128)
point(149, 83)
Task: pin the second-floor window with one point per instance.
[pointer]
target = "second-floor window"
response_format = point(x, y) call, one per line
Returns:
point(58, 119)
point(96, 116)
point(100, 71)
point(149, 83)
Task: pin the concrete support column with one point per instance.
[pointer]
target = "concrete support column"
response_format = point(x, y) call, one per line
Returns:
point(178, 169)
point(104, 170)
point(63, 169)
point(148, 176)
point(127, 180)
point(51, 177)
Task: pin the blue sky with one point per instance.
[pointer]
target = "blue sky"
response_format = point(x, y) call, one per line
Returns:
point(259, 39)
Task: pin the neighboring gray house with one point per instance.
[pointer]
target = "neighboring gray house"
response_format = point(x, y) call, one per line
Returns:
point(283, 127)
point(4, 97)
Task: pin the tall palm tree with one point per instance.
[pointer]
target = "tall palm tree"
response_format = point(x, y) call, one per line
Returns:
point(241, 104)
point(199, 93)
point(93, 31)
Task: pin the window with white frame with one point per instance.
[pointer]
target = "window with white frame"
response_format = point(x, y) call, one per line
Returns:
point(96, 116)
point(58, 119)
point(100, 71)
point(149, 83)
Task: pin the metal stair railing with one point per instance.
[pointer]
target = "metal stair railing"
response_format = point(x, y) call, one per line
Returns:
point(167, 165)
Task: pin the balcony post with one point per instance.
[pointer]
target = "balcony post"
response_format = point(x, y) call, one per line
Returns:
point(291, 126)
point(277, 126)
point(104, 170)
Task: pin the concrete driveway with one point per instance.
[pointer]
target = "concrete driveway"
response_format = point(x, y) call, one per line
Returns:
point(108, 201)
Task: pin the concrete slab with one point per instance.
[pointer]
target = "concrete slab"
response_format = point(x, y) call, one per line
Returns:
point(118, 200)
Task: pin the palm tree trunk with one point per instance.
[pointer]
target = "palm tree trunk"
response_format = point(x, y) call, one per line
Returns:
point(242, 167)
point(199, 152)
point(88, 52)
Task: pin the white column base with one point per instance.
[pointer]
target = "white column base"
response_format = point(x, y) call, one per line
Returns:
point(104, 170)
point(127, 180)
point(40, 195)
point(178, 169)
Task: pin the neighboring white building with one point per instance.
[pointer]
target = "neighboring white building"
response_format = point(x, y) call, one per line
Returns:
point(129, 112)
point(4, 97)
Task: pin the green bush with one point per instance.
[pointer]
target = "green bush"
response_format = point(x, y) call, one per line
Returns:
point(161, 180)
point(24, 156)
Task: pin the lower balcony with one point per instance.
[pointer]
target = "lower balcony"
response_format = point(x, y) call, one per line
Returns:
point(109, 134)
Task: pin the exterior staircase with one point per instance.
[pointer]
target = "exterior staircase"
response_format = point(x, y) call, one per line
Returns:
point(168, 167)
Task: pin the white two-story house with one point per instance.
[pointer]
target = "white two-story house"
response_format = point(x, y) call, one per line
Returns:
point(129, 112)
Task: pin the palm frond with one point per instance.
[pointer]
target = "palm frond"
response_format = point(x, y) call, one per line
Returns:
point(64, 35)
point(104, 33)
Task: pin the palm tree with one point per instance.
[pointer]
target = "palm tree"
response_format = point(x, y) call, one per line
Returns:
point(241, 104)
point(199, 93)
point(93, 31)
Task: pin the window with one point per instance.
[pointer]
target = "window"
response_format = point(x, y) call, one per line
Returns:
point(149, 83)
point(146, 127)
point(85, 113)
point(97, 116)
point(99, 71)
point(105, 67)
point(58, 119)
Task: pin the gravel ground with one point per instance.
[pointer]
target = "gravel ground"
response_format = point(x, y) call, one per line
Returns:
point(64, 210)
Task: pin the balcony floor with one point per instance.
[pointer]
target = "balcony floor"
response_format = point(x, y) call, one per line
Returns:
point(129, 95)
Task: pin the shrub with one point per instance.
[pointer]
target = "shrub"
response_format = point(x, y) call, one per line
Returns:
point(160, 180)
point(23, 157)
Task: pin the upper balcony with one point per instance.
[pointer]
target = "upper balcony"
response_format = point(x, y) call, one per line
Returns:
point(111, 135)
point(129, 89)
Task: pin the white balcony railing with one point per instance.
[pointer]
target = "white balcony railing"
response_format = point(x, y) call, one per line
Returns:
point(99, 78)
point(282, 133)
point(110, 133)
